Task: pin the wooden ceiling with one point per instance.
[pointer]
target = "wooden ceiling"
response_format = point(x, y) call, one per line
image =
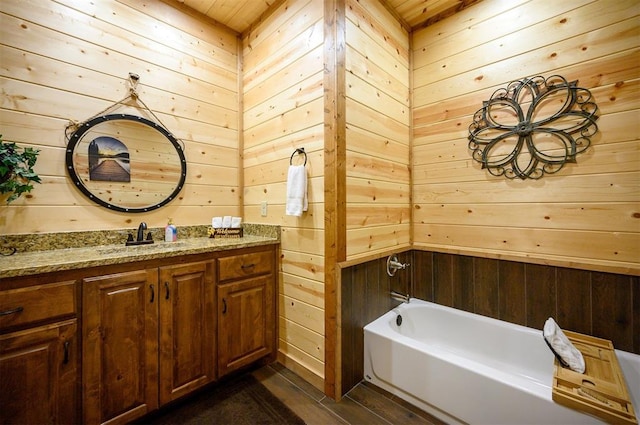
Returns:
point(240, 14)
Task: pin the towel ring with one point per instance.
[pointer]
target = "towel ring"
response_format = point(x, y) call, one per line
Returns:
point(301, 152)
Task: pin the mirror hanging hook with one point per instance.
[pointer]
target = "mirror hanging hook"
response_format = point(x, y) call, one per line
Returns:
point(133, 84)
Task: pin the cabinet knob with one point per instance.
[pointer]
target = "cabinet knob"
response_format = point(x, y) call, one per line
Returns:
point(166, 287)
point(153, 293)
point(224, 306)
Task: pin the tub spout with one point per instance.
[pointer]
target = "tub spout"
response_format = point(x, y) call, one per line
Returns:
point(400, 297)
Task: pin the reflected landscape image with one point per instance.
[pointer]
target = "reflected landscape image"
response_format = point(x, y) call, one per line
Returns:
point(108, 160)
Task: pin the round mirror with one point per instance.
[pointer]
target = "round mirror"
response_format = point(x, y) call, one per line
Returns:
point(123, 162)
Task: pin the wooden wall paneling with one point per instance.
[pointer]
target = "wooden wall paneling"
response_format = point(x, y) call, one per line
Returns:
point(288, 123)
point(378, 287)
point(512, 292)
point(266, 153)
point(362, 92)
point(462, 283)
point(287, 99)
point(375, 20)
point(612, 308)
point(303, 314)
point(281, 53)
point(482, 21)
point(306, 290)
point(620, 187)
point(364, 166)
point(367, 118)
point(353, 313)
point(605, 70)
point(377, 76)
point(335, 186)
point(190, 81)
point(540, 294)
point(541, 28)
point(616, 217)
point(377, 120)
point(362, 214)
point(450, 82)
point(364, 242)
point(188, 21)
point(422, 275)
point(301, 70)
point(377, 191)
point(364, 142)
point(283, 83)
point(486, 287)
point(443, 279)
point(614, 251)
point(575, 300)
point(635, 294)
point(613, 38)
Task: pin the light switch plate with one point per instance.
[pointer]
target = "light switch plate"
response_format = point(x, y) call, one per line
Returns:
point(263, 208)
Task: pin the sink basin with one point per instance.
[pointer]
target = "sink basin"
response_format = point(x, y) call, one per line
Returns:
point(133, 249)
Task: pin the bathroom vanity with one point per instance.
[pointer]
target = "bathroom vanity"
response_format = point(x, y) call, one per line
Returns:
point(109, 334)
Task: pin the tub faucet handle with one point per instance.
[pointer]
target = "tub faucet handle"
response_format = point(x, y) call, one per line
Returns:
point(394, 265)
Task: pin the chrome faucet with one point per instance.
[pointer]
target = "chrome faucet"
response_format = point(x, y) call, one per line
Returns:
point(393, 265)
point(400, 297)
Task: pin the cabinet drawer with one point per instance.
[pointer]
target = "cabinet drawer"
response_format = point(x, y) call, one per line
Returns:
point(35, 303)
point(245, 265)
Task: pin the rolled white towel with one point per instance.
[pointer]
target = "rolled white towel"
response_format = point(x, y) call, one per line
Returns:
point(564, 350)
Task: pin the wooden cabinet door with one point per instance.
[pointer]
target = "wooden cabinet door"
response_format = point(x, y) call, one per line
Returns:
point(38, 375)
point(245, 322)
point(187, 328)
point(120, 346)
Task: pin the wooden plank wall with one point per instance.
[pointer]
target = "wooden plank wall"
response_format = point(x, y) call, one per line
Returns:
point(70, 59)
point(586, 216)
point(283, 111)
point(377, 130)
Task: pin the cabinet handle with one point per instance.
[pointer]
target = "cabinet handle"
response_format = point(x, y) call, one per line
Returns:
point(153, 293)
point(11, 311)
point(224, 306)
point(166, 287)
point(247, 266)
point(66, 352)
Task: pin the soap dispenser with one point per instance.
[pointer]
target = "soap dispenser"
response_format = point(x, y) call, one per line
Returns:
point(170, 232)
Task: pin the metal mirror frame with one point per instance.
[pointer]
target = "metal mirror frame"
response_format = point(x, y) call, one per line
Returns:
point(76, 137)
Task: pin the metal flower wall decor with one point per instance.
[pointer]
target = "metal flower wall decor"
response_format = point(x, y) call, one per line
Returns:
point(533, 127)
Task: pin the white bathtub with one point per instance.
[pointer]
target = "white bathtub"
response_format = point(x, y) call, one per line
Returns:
point(466, 368)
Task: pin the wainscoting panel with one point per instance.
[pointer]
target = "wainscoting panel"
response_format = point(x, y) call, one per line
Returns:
point(365, 296)
point(601, 304)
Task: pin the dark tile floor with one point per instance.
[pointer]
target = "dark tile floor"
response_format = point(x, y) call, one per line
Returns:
point(364, 404)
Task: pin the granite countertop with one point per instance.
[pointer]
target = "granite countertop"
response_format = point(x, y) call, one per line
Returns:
point(51, 260)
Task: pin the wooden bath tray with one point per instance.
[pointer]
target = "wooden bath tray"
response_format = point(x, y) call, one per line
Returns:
point(601, 391)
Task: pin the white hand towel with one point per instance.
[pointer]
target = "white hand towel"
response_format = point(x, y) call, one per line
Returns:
point(562, 347)
point(296, 190)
